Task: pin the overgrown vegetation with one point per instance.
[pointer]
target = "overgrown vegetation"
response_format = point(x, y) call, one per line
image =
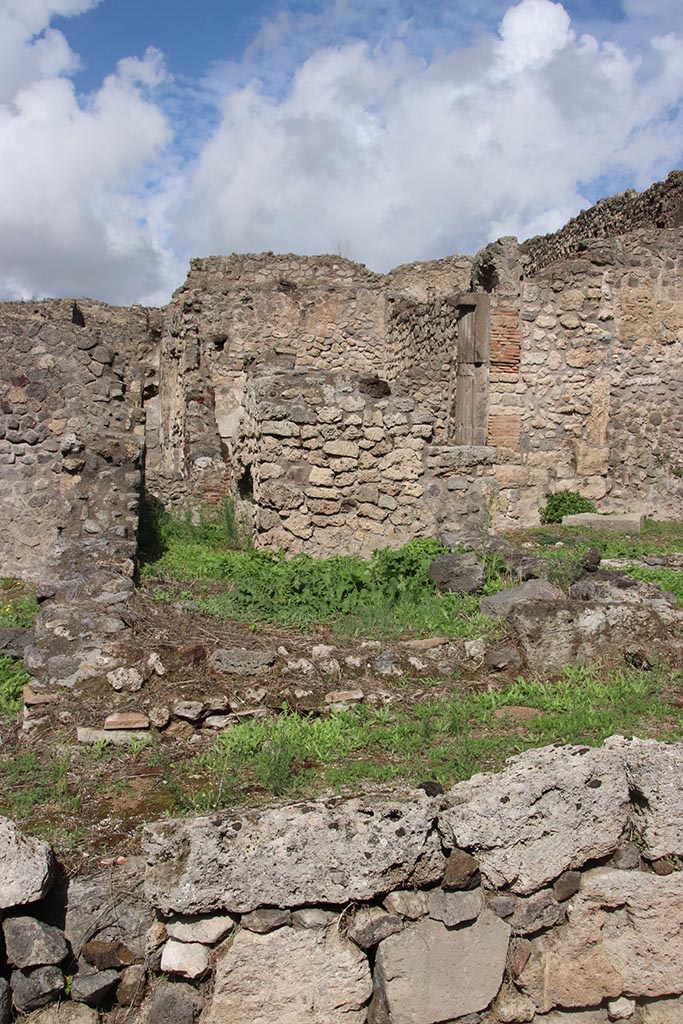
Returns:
point(389, 593)
point(446, 740)
point(667, 579)
point(564, 503)
point(656, 538)
point(13, 678)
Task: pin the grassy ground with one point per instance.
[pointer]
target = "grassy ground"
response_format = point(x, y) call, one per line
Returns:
point(389, 594)
point(92, 800)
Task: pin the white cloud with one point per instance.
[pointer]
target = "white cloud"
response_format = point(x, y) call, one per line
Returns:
point(401, 159)
point(73, 170)
point(388, 149)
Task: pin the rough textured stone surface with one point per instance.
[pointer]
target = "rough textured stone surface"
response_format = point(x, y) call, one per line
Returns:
point(462, 870)
point(30, 943)
point(408, 903)
point(93, 989)
point(91, 912)
point(208, 930)
point(5, 1002)
point(327, 852)
point(533, 591)
point(454, 908)
point(240, 661)
point(188, 959)
point(654, 771)
point(174, 1004)
point(664, 1011)
point(567, 632)
point(428, 973)
point(458, 574)
point(307, 977)
point(550, 810)
point(605, 949)
point(66, 1013)
point(265, 920)
point(25, 867)
point(372, 924)
point(35, 988)
point(536, 914)
point(624, 522)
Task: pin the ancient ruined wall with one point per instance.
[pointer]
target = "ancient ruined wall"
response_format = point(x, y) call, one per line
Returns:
point(548, 893)
point(660, 206)
point(596, 403)
point(422, 338)
point(62, 397)
point(241, 316)
point(334, 465)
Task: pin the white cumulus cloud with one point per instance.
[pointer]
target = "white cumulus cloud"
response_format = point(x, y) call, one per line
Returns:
point(390, 144)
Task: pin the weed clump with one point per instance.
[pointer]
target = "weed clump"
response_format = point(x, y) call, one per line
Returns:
point(564, 503)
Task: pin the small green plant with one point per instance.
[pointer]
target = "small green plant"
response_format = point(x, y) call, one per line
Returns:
point(18, 605)
point(564, 503)
point(13, 678)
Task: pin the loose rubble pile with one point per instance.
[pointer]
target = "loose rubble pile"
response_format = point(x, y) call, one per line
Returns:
point(548, 893)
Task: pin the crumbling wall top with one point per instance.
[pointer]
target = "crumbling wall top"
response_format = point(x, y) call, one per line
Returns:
point(660, 206)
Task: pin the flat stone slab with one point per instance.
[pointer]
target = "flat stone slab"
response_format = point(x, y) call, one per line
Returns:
point(321, 851)
point(303, 976)
point(25, 867)
point(429, 973)
point(118, 737)
point(621, 522)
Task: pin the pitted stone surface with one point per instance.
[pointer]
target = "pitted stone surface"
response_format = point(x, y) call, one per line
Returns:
point(306, 977)
point(605, 949)
point(326, 852)
point(550, 810)
point(25, 867)
point(429, 973)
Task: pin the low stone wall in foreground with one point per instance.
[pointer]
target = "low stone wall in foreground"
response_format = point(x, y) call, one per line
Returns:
point(548, 893)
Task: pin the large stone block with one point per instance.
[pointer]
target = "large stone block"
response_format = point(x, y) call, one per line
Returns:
point(317, 852)
point(290, 976)
point(550, 810)
point(25, 867)
point(429, 973)
point(624, 934)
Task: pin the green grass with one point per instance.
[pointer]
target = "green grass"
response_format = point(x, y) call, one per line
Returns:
point(18, 605)
point(387, 594)
point(447, 740)
point(667, 579)
point(28, 782)
point(13, 678)
point(656, 538)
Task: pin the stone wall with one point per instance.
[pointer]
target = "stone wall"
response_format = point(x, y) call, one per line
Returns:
point(549, 893)
point(63, 398)
point(660, 206)
point(559, 359)
point(73, 436)
point(595, 403)
point(333, 463)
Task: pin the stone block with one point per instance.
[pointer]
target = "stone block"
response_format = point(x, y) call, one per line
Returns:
point(303, 975)
point(428, 973)
point(620, 522)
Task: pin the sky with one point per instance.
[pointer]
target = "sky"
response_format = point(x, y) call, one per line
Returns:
point(136, 134)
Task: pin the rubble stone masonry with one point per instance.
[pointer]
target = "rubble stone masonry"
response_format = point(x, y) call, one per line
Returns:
point(350, 409)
